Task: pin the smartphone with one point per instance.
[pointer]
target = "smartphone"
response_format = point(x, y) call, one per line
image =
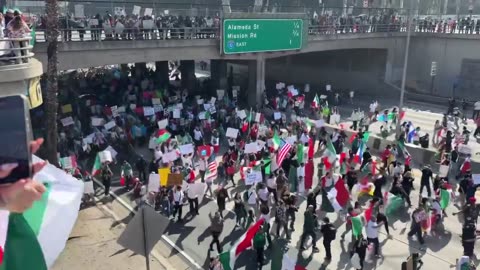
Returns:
point(15, 138)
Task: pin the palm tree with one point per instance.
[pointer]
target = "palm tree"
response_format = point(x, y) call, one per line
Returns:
point(51, 103)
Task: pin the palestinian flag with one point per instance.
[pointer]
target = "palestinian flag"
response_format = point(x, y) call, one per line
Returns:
point(97, 166)
point(34, 239)
point(245, 242)
point(163, 136)
point(316, 102)
point(392, 203)
point(339, 195)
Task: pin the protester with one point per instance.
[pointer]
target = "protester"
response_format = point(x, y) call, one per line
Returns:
point(216, 229)
point(328, 231)
point(309, 225)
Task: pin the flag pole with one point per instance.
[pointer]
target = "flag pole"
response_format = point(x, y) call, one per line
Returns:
point(145, 237)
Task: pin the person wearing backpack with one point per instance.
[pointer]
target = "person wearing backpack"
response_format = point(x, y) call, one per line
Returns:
point(329, 233)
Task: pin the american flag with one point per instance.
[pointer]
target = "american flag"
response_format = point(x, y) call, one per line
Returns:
point(212, 167)
point(282, 152)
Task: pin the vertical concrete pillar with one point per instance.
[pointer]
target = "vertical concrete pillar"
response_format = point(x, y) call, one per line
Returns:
point(161, 72)
point(256, 72)
point(389, 65)
point(187, 69)
point(218, 74)
point(252, 82)
point(140, 68)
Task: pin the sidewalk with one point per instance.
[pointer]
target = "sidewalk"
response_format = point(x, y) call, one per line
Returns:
point(93, 245)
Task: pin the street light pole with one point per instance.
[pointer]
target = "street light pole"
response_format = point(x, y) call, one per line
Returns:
point(405, 65)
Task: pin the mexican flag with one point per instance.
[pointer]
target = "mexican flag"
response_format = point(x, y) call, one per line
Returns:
point(316, 102)
point(245, 242)
point(392, 203)
point(276, 140)
point(34, 239)
point(163, 136)
point(444, 198)
point(300, 153)
point(339, 195)
point(97, 166)
point(329, 156)
point(360, 221)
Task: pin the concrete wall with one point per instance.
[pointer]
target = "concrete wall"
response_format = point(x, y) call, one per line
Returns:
point(449, 51)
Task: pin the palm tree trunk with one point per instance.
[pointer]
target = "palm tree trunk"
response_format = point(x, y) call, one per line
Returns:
point(51, 103)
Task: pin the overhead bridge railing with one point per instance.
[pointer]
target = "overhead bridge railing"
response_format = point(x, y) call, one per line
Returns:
point(15, 50)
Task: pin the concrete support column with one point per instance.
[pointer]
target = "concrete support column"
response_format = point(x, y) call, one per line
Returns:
point(187, 69)
point(140, 68)
point(161, 72)
point(389, 65)
point(288, 60)
point(256, 81)
point(218, 74)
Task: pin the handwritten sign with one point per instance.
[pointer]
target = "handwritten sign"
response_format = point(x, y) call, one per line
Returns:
point(232, 133)
point(148, 111)
point(110, 125)
point(67, 121)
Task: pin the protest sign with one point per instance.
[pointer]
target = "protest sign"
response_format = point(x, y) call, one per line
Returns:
point(79, 11)
point(109, 125)
point(232, 133)
point(136, 10)
point(251, 148)
point(174, 179)
point(170, 156)
point(179, 106)
point(212, 100)
point(93, 22)
point(162, 123)
point(196, 190)
point(186, 149)
point(328, 87)
point(220, 93)
point(119, 11)
point(163, 173)
point(67, 108)
point(294, 92)
point(262, 130)
point(291, 140)
point(476, 179)
point(290, 88)
point(157, 108)
point(319, 123)
point(96, 122)
point(114, 110)
point(443, 170)
point(200, 101)
point(212, 109)
point(253, 177)
point(67, 121)
point(105, 156)
point(112, 151)
point(207, 106)
point(153, 182)
point(148, 12)
point(156, 101)
point(242, 114)
point(89, 139)
point(278, 86)
point(260, 144)
point(148, 111)
point(277, 115)
point(176, 113)
point(201, 116)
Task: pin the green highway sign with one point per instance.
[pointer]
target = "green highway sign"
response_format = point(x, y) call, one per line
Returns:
point(261, 35)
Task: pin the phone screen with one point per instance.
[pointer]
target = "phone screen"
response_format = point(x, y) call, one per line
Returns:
point(14, 145)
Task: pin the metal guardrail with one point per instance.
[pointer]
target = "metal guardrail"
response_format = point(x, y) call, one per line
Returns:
point(15, 50)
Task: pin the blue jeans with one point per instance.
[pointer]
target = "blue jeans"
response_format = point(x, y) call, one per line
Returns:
point(166, 208)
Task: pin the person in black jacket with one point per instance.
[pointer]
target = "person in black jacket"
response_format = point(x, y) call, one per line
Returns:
point(328, 231)
point(141, 165)
point(366, 158)
point(360, 247)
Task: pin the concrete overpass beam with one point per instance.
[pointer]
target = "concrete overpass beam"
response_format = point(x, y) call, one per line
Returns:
point(218, 74)
point(187, 69)
point(256, 76)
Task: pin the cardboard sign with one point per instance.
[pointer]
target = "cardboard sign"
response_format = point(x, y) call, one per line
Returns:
point(153, 182)
point(148, 111)
point(176, 113)
point(148, 12)
point(93, 22)
point(242, 114)
point(110, 125)
point(476, 179)
point(232, 133)
point(67, 108)
point(96, 122)
point(253, 177)
point(207, 106)
point(105, 156)
point(163, 173)
point(67, 121)
point(179, 106)
point(186, 149)
point(251, 148)
point(162, 124)
point(258, 116)
point(277, 115)
point(174, 179)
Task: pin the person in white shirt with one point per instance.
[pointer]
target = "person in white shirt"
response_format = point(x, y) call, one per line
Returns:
point(178, 202)
point(193, 201)
point(197, 136)
point(252, 200)
point(301, 178)
point(372, 234)
point(263, 194)
point(272, 186)
point(202, 167)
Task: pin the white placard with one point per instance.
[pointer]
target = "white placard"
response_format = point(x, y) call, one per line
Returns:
point(119, 11)
point(235, 93)
point(179, 106)
point(156, 101)
point(277, 115)
point(207, 106)
point(200, 101)
point(253, 178)
point(109, 125)
point(176, 113)
point(242, 114)
point(278, 86)
point(232, 133)
point(220, 93)
point(291, 140)
point(213, 109)
point(79, 11)
point(443, 170)
point(112, 151)
point(96, 122)
point(121, 109)
point(258, 116)
point(290, 88)
point(294, 92)
point(162, 123)
point(261, 144)
point(464, 149)
point(186, 149)
point(67, 121)
point(170, 156)
point(148, 12)
point(212, 100)
point(153, 182)
point(88, 187)
point(202, 116)
point(148, 111)
point(136, 10)
point(476, 179)
point(328, 87)
point(319, 123)
point(93, 22)
point(166, 12)
point(105, 156)
point(251, 148)
point(196, 190)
